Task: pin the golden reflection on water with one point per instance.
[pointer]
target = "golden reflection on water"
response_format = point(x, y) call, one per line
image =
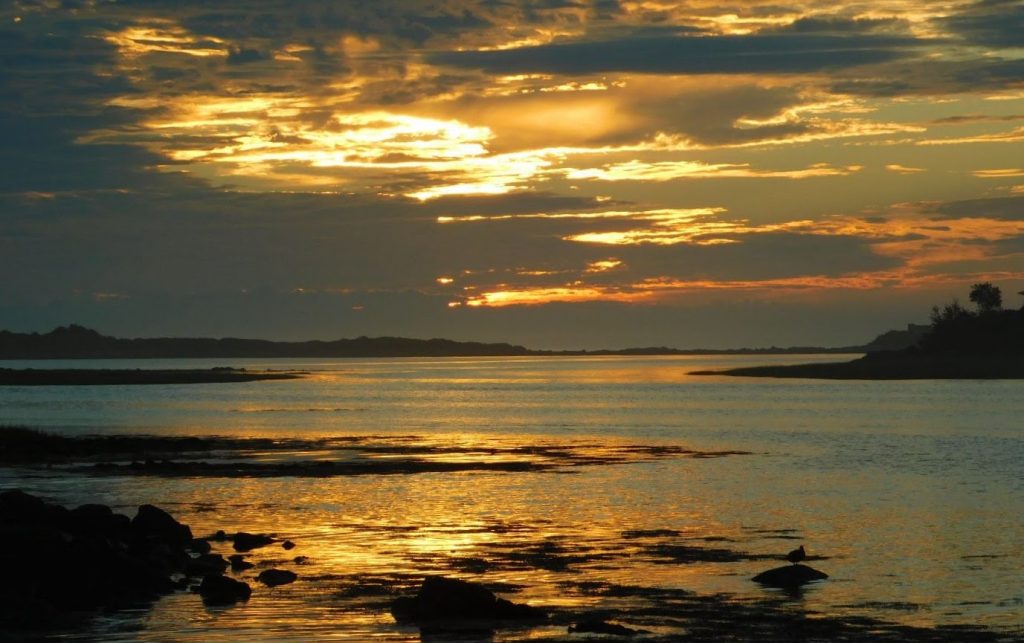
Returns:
point(894, 486)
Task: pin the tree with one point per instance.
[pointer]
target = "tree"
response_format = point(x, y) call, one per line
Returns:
point(987, 297)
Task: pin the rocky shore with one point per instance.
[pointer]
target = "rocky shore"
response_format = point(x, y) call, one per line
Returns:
point(63, 566)
point(60, 566)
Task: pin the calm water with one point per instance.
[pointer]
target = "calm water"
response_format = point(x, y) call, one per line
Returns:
point(913, 490)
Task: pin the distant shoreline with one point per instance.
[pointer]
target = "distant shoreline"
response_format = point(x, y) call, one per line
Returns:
point(892, 366)
point(102, 376)
point(77, 342)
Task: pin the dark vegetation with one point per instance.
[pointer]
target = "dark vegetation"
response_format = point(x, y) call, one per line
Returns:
point(985, 343)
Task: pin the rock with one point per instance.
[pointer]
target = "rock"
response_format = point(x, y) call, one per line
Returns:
point(206, 564)
point(789, 576)
point(300, 560)
point(598, 626)
point(247, 542)
point(155, 523)
point(449, 599)
point(67, 563)
point(275, 577)
point(288, 544)
point(200, 546)
point(99, 520)
point(238, 563)
point(220, 536)
point(18, 507)
point(221, 590)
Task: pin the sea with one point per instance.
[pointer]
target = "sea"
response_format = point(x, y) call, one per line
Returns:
point(908, 494)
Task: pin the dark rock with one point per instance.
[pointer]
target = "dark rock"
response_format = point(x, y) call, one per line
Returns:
point(221, 590)
point(247, 542)
point(154, 522)
point(789, 576)
point(238, 563)
point(288, 544)
point(598, 626)
point(449, 599)
point(206, 564)
point(18, 507)
point(300, 560)
point(200, 546)
point(99, 520)
point(65, 563)
point(219, 536)
point(275, 577)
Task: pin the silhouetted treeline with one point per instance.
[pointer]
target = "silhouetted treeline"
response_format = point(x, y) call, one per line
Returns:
point(77, 342)
point(989, 330)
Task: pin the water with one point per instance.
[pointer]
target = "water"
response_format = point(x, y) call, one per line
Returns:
point(914, 491)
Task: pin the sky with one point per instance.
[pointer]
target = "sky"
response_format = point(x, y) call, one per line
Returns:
point(556, 173)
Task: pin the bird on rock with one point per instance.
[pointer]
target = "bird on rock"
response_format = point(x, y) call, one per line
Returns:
point(796, 555)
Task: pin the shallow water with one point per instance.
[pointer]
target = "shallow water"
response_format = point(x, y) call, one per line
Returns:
point(912, 492)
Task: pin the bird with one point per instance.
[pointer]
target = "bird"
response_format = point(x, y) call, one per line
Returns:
point(796, 555)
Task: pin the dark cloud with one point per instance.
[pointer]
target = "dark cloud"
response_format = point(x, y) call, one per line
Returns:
point(760, 256)
point(931, 76)
point(1010, 208)
point(757, 53)
point(989, 23)
point(842, 25)
point(977, 118)
point(241, 56)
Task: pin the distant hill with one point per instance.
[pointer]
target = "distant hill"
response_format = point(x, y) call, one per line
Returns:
point(897, 340)
point(78, 342)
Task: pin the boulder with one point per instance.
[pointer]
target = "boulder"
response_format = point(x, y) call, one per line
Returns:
point(221, 590)
point(288, 544)
point(452, 600)
point(99, 520)
point(247, 542)
point(275, 577)
point(599, 626)
point(200, 546)
point(238, 563)
point(206, 564)
point(61, 562)
point(155, 523)
point(18, 507)
point(789, 576)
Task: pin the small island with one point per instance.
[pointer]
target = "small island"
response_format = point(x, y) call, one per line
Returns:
point(985, 343)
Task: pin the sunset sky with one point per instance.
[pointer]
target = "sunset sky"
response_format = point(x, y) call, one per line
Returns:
point(555, 173)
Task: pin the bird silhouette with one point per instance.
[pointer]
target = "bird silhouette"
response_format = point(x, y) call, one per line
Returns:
point(796, 555)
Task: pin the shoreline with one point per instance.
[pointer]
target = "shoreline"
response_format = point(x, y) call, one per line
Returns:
point(124, 376)
point(891, 366)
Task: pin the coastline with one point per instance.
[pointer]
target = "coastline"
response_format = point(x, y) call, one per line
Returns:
point(891, 366)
